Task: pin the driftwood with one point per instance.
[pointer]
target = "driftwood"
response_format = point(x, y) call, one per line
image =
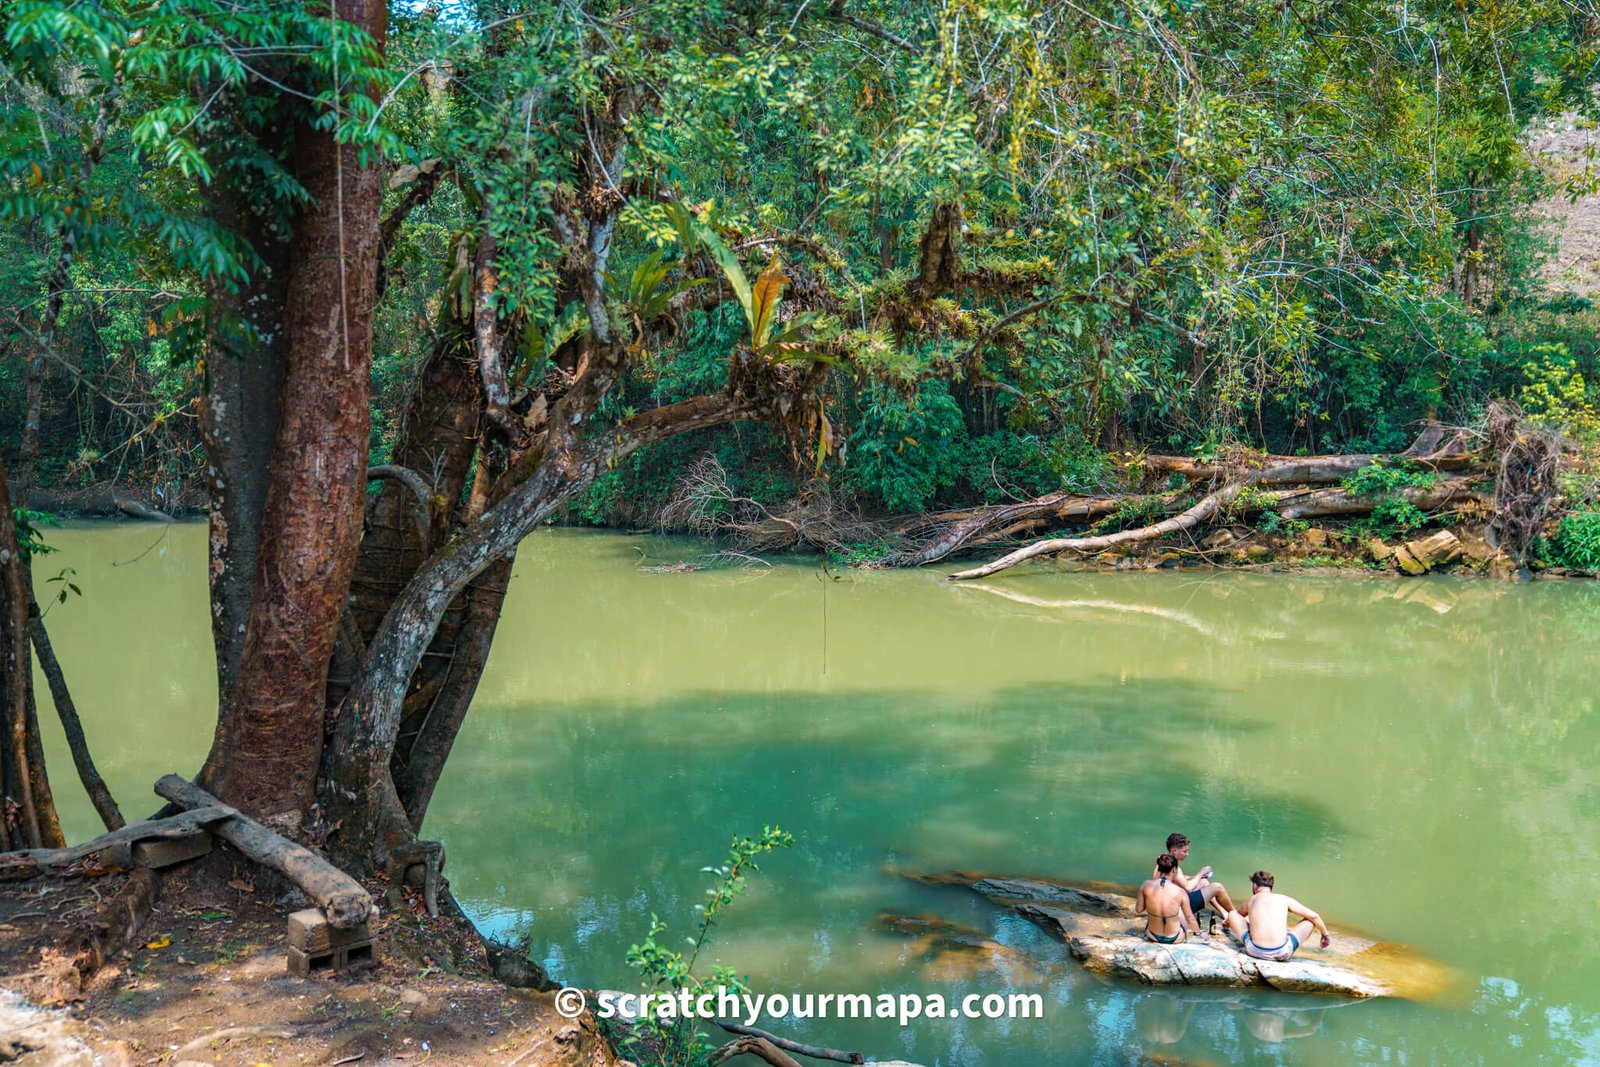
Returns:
point(1057, 507)
point(814, 1051)
point(1304, 471)
point(759, 1047)
point(340, 897)
point(15, 866)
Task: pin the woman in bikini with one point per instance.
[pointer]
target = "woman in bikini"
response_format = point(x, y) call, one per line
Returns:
point(1166, 905)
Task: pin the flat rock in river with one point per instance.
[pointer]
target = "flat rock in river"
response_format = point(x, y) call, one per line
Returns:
point(1097, 923)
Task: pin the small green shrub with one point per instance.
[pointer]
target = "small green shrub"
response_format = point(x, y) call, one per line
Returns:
point(1381, 479)
point(1556, 394)
point(1392, 514)
point(865, 553)
point(1577, 541)
point(676, 1042)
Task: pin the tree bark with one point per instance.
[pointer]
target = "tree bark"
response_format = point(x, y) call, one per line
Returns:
point(311, 519)
point(239, 425)
point(23, 782)
point(365, 734)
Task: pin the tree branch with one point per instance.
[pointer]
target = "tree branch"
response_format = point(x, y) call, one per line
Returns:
point(99, 794)
point(814, 1051)
point(837, 14)
point(423, 179)
point(419, 489)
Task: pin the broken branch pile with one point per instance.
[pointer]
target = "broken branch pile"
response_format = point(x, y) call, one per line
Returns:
point(1294, 487)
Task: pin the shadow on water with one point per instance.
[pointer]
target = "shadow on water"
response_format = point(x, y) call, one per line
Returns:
point(618, 806)
point(1046, 778)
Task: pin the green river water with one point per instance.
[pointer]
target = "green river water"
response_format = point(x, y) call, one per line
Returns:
point(1417, 759)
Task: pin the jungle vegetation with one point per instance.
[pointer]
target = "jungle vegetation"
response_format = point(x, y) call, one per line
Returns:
point(510, 264)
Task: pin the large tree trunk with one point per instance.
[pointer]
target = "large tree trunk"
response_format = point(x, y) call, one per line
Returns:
point(32, 823)
point(239, 425)
point(311, 518)
point(363, 795)
point(442, 433)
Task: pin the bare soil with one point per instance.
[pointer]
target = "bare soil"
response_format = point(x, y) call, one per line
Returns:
point(207, 982)
point(1562, 152)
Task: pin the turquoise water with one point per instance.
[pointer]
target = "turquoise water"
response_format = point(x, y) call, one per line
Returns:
point(1414, 759)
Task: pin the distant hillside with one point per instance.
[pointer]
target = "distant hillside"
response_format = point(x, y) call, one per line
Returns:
point(1567, 150)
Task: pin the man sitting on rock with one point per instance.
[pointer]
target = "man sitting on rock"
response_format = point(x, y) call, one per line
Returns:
point(1166, 905)
point(1201, 889)
point(1262, 925)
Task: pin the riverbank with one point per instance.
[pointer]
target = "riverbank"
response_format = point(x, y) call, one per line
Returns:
point(205, 981)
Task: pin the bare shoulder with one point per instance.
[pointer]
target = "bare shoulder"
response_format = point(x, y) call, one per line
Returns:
point(1294, 905)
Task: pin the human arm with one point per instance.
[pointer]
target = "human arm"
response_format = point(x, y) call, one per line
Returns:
point(1315, 919)
point(1187, 884)
point(1188, 915)
point(1138, 905)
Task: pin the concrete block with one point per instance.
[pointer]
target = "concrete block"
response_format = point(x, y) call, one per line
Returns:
point(166, 851)
point(310, 931)
point(332, 961)
point(306, 965)
point(353, 957)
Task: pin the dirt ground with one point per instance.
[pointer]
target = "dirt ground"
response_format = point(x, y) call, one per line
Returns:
point(1563, 151)
point(206, 982)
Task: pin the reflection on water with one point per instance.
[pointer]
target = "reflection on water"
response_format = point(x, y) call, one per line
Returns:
point(1409, 758)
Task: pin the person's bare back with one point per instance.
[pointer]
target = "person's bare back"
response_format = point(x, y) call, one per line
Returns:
point(1166, 904)
point(1262, 922)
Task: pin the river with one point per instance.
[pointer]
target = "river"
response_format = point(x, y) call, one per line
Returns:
point(1417, 759)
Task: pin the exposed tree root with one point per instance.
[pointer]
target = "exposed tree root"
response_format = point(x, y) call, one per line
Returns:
point(993, 523)
point(758, 1047)
point(1525, 489)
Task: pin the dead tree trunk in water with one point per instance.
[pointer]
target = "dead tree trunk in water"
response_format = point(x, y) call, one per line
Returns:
point(99, 793)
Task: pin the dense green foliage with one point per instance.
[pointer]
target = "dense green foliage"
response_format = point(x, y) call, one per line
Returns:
point(1577, 541)
point(1174, 225)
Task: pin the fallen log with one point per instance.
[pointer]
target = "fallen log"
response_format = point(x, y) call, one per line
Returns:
point(814, 1051)
point(753, 1046)
point(116, 927)
point(1061, 507)
point(341, 897)
point(1309, 470)
point(1326, 502)
point(28, 863)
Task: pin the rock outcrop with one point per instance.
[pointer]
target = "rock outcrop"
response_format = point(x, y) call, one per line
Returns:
point(1424, 554)
point(1097, 923)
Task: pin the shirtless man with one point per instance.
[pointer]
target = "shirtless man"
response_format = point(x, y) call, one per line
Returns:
point(1201, 889)
point(1263, 923)
point(1166, 905)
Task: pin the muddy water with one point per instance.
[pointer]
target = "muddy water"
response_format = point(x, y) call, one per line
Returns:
point(1415, 759)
